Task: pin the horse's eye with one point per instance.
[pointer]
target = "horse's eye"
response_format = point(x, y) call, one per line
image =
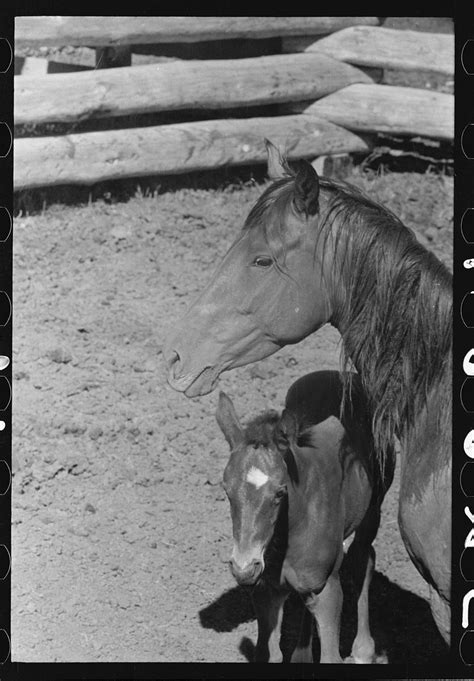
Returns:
point(263, 261)
point(279, 494)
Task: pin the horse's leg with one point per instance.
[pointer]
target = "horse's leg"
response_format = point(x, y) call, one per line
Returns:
point(363, 648)
point(304, 649)
point(361, 558)
point(441, 612)
point(326, 609)
point(268, 604)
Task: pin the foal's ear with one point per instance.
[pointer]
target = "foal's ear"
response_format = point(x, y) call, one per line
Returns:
point(306, 191)
point(286, 432)
point(276, 165)
point(286, 435)
point(228, 421)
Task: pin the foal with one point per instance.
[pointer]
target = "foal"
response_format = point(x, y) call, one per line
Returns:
point(298, 486)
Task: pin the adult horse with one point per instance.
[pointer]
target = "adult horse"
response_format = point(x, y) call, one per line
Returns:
point(314, 251)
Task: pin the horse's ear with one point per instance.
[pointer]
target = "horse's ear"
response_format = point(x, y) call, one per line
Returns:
point(276, 165)
point(306, 191)
point(228, 421)
point(286, 435)
point(286, 432)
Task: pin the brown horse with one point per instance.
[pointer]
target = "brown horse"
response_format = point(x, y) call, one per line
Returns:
point(298, 486)
point(314, 251)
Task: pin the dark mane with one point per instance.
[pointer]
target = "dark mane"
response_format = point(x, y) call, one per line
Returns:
point(394, 309)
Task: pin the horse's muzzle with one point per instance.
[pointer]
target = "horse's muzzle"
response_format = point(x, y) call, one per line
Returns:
point(173, 363)
point(248, 575)
point(191, 383)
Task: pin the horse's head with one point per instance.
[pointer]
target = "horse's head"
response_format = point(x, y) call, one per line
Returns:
point(255, 481)
point(266, 293)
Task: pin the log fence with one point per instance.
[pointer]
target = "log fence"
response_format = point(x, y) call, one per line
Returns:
point(323, 86)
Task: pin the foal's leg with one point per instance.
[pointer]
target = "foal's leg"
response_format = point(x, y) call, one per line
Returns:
point(326, 608)
point(268, 604)
point(303, 651)
point(361, 556)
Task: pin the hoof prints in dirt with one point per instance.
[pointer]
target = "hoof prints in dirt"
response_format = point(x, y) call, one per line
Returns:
point(96, 427)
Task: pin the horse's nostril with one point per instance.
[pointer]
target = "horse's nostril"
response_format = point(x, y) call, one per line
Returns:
point(173, 363)
point(248, 574)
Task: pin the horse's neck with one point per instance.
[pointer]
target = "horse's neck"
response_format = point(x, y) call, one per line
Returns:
point(398, 364)
point(425, 448)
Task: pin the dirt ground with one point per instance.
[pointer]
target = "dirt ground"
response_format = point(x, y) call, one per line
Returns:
point(121, 531)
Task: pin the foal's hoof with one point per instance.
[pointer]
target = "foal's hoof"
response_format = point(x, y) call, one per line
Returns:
point(375, 659)
point(353, 659)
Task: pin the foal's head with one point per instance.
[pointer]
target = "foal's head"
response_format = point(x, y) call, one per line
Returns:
point(255, 481)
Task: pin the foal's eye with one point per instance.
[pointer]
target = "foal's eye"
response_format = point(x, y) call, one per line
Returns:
point(263, 261)
point(279, 494)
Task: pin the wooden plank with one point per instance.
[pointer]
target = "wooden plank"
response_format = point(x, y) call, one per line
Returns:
point(92, 157)
point(31, 66)
point(39, 66)
point(171, 86)
point(386, 108)
point(97, 31)
point(26, 66)
point(390, 49)
point(301, 43)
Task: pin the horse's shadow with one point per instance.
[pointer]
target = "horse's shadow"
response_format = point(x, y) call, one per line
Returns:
point(401, 622)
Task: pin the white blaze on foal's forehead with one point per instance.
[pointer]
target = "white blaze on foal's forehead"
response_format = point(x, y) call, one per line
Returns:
point(256, 477)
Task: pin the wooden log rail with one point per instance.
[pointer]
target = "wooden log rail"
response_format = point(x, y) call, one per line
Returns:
point(95, 156)
point(213, 84)
point(386, 48)
point(170, 149)
point(98, 31)
point(334, 107)
point(389, 109)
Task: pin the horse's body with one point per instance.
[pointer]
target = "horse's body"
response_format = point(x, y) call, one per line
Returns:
point(314, 251)
point(298, 486)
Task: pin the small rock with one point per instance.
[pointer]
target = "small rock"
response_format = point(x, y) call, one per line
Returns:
point(74, 427)
point(78, 531)
point(121, 232)
point(95, 432)
point(153, 545)
point(431, 233)
point(59, 356)
point(89, 508)
point(47, 520)
point(213, 479)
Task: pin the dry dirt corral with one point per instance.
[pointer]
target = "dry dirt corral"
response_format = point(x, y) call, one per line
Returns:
point(121, 531)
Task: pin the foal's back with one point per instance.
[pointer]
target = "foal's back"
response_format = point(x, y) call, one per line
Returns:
point(315, 397)
point(339, 482)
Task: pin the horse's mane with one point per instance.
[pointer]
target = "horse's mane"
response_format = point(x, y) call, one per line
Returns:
point(394, 308)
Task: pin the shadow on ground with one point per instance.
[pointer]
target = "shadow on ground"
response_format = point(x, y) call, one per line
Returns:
point(401, 622)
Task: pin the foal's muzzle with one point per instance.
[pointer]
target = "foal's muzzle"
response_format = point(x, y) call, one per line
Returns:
point(248, 575)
